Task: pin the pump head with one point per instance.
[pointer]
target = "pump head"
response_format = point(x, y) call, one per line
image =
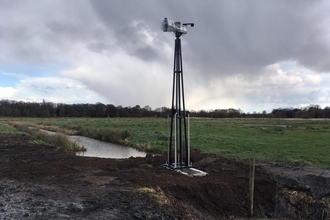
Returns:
point(176, 27)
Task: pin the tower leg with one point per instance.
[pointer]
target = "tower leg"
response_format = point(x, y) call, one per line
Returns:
point(178, 115)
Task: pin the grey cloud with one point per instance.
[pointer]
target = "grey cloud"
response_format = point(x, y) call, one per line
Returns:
point(42, 33)
point(127, 37)
point(66, 30)
point(98, 47)
point(130, 38)
point(248, 36)
point(231, 37)
point(146, 53)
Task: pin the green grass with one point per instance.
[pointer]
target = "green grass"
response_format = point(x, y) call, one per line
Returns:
point(4, 128)
point(294, 141)
point(286, 141)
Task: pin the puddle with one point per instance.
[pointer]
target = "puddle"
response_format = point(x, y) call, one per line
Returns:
point(96, 148)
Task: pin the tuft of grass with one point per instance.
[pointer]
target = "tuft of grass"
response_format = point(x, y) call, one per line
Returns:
point(155, 194)
point(65, 144)
point(61, 141)
point(113, 136)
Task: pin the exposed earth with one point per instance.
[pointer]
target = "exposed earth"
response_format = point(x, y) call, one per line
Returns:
point(37, 182)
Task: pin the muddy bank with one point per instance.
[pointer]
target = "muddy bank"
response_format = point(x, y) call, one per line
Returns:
point(312, 180)
point(39, 183)
point(303, 191)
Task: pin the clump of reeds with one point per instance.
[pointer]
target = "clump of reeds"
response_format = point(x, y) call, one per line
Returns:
point(19, 126)
point(112, 136)
point(65, 144)
point(61, 141)
point(63, 129)
point(144, 147)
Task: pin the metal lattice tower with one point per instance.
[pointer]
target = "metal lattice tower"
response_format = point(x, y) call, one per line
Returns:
point(178, 149)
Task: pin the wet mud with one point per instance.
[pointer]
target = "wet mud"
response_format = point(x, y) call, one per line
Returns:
point(37, 182)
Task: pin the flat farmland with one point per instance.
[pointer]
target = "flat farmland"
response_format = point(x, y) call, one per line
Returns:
point(51, 184)
point(298, 141)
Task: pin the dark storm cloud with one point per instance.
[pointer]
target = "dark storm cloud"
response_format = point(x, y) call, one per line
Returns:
point(133, 41)
point(39, 33)
point(98, 47)
point(127, 19)
point(246, 36)
point(146, 53)
point(232, 36)
point(235, 51)
point(229, 36)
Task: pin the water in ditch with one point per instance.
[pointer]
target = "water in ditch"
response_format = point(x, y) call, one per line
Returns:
point(96, 148)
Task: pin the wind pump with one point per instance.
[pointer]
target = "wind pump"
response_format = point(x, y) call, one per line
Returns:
point(178, 148)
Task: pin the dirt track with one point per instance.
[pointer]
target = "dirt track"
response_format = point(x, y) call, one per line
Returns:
point(39, 183)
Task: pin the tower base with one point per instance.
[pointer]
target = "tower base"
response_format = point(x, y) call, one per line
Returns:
point(187, 170)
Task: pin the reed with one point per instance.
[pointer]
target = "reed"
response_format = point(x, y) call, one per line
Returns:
point(64, 144)
point(61, 141)
point(113, 136)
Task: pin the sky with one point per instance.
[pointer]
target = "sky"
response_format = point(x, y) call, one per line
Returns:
point(251, 55)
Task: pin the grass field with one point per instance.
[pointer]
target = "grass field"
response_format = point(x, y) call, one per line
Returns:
point(292, 141)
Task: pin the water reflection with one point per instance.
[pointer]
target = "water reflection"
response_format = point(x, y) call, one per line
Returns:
point(96, 148)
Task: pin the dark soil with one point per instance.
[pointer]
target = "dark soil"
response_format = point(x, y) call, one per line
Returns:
point(37, 182)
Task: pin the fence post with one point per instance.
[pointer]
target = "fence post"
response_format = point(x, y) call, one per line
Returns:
point(251, 187)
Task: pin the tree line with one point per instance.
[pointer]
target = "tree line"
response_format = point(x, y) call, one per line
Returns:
point(9, 108)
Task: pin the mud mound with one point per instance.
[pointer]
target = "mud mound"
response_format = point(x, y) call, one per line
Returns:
point(303, 191)
point(313, 180)
point(38, 182)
